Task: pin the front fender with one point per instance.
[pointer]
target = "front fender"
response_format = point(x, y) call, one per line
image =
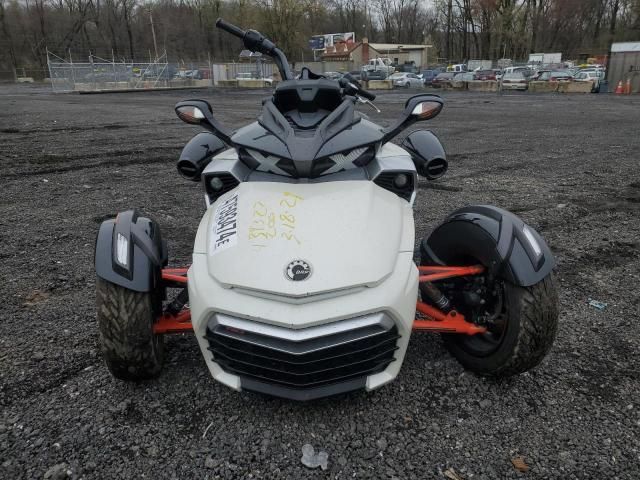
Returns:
point(497, 238)
point(130, 252)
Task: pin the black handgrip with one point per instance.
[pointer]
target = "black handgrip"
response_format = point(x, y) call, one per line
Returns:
point(368, 95)
point(229, 27)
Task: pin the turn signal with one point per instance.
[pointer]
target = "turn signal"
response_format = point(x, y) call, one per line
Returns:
point(427, 110)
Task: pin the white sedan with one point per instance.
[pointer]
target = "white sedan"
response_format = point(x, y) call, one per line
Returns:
point(593, 76)
point(404, 79)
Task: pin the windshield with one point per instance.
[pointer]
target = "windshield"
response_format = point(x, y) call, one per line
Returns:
point(398, 75)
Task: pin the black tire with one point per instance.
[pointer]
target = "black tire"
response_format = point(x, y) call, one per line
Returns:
point(125, 319)
point(531, 323)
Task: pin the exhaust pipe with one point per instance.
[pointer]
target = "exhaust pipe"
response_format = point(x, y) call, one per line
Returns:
point(427, 154)
point(197, 154)
point(434, 168)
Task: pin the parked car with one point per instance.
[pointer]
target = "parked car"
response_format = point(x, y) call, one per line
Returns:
point(464, 77)
point(484, 75)
point(592, 76)
point(460, 67)
point(442, 79)
point(514, 81)
point(373, 75)
point(194, 74)
point(526, 71)
point(406, 80)
point(253, 76)
point(357, 74)
point(555, 76)
point(428, 76)
point(332, 75)
point(406, 67)
point(378, 65)
point(537, 75)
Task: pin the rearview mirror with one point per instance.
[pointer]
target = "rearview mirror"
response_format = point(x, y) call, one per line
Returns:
point(417, 108)
point(199, 112)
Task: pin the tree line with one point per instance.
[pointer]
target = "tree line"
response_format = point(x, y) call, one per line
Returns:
point(458, 30)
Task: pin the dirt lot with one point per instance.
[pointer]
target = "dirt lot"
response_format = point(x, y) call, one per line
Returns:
point(567, 164)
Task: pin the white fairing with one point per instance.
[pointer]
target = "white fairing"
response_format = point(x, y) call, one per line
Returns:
point(349, 232)
point(356, 237)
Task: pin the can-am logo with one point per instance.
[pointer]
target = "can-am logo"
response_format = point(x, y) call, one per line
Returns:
point(298, 270)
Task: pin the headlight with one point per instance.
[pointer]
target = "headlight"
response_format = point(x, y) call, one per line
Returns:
point(217, 184)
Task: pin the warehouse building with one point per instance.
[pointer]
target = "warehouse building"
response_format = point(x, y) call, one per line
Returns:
point(624, 64)
point(349, 56)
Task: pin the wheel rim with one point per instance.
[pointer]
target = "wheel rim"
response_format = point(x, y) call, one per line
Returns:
point(484, 344)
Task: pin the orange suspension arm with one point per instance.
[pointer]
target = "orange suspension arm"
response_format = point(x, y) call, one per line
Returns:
point(439, 321)
point(181, 322)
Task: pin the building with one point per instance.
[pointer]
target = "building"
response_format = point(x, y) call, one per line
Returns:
point(351, 56)
point(624, 64)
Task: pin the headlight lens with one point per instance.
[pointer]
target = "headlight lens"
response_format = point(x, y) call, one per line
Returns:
point(216, 184)
point(401, 180)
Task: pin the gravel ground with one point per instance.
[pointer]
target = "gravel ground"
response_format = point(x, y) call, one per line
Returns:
point(567, 164)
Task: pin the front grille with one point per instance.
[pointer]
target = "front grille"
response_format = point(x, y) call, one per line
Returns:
point(307, 358)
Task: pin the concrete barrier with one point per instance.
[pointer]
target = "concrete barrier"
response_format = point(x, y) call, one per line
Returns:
point(482, 86)
point(251, 83)
point(543, 87)
point(24, 79)
point(380, 85)
point(575, 87)
point(227, 83)
point(113, 85)
point(455, 85)
point(80, 87)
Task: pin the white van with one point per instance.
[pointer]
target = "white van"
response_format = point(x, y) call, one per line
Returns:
point(460, 67)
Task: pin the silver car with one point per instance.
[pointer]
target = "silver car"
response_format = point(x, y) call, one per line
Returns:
point(514, 81)
point(405, 79)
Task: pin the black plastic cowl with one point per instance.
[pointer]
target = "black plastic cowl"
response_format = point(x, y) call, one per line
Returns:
point(145, 255)
point(427, 154)
point(197, 154)
point(494, 237)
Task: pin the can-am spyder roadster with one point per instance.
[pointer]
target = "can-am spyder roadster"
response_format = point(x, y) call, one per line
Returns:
point(303, 282)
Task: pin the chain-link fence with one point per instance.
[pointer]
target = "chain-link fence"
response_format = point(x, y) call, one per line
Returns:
point(222, 72)
point(99, 74)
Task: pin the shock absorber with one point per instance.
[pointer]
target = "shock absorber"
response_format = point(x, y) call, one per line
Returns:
point(434, 294)
point(179, 302)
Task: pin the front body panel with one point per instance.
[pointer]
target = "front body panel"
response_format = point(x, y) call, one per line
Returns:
point(358, 240)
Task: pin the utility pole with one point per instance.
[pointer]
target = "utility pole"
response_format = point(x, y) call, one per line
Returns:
point(153, 32)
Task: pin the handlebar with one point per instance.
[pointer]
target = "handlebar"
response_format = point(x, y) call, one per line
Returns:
point(353, 87)
point(232, 29)
point(256, 42)
point(368, 95)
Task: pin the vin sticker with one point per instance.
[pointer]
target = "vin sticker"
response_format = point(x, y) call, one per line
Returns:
point(225, 226)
